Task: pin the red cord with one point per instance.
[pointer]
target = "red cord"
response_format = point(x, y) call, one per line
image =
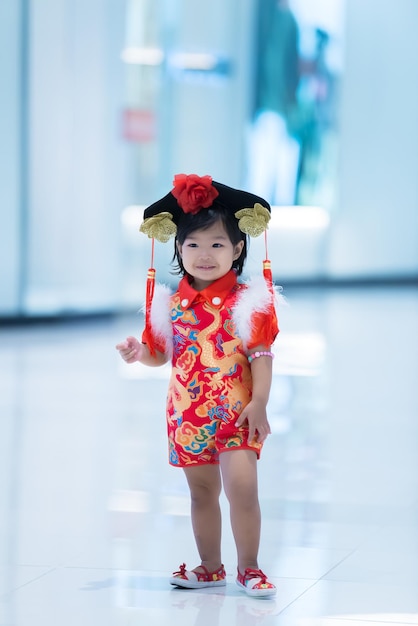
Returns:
point(265, 244)
point(152, 252)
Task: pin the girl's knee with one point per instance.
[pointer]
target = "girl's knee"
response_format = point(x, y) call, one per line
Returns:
point(243, 495)
point(203, 484)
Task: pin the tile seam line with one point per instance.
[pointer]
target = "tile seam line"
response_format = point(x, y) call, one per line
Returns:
point(32, 580)
point(317, 581)
point(353, 621)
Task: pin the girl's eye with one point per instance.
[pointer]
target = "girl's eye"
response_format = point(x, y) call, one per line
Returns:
point(217, 245)
point(192, 245)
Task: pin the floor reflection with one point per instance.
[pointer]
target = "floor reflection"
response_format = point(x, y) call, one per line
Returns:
point(94, 520)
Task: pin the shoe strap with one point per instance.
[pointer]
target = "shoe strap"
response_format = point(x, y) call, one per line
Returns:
point(182, 570)
point(250, 574)
point(201, 576)
point(255, 573)
point(209, 576)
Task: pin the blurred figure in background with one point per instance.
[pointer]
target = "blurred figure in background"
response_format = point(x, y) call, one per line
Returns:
point(274, 149)
point(317, 124)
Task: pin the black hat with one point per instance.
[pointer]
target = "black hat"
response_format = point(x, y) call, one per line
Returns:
point(191, 194)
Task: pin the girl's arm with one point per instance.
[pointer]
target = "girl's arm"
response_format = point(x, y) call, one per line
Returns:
point(255, 412)
point(132, 350)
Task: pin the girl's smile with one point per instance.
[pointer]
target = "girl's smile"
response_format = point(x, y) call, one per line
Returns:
point(208, 254)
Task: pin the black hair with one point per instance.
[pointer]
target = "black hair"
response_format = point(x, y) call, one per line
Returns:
point(206, 218)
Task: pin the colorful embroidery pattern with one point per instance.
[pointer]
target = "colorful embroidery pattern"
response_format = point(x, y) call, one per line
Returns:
point(209, 386)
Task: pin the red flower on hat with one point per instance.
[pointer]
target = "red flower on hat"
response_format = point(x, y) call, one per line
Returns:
point(194, 192)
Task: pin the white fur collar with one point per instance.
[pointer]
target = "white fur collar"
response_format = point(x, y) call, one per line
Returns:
point(160, 316)
point(256, 297)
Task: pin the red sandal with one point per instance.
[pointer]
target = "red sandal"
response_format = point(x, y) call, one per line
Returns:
point(197, 580)
point(254, 582)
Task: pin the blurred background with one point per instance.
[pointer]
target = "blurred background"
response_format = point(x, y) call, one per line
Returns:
point(311, 104)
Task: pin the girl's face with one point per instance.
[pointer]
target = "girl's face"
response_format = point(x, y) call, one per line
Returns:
point(208, 254)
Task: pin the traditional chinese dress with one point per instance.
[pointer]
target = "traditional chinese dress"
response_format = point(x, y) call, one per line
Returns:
point(209, 335)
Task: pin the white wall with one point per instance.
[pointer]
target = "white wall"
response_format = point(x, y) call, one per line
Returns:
point(375, 231)
point(76, 155)
point(208, 111)
point(10, 154)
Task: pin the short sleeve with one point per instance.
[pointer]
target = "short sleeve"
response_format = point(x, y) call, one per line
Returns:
point(153, 343)
point(264, 328)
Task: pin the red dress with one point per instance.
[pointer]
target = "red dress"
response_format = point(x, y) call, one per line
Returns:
point(213, 331)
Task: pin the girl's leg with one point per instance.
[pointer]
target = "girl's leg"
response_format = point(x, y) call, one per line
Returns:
point(239, 474)
point(205, 487)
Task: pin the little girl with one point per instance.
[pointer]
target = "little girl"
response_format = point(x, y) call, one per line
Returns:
point(217, 333)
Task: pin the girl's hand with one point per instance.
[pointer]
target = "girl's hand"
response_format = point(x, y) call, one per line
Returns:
point(130, 350)
point(256, 417)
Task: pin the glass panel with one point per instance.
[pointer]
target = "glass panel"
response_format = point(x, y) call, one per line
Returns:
point(252, 102)
point(10, 156)
point(293, 138)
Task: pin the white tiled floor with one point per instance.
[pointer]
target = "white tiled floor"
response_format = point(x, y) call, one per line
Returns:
point(93, 520)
